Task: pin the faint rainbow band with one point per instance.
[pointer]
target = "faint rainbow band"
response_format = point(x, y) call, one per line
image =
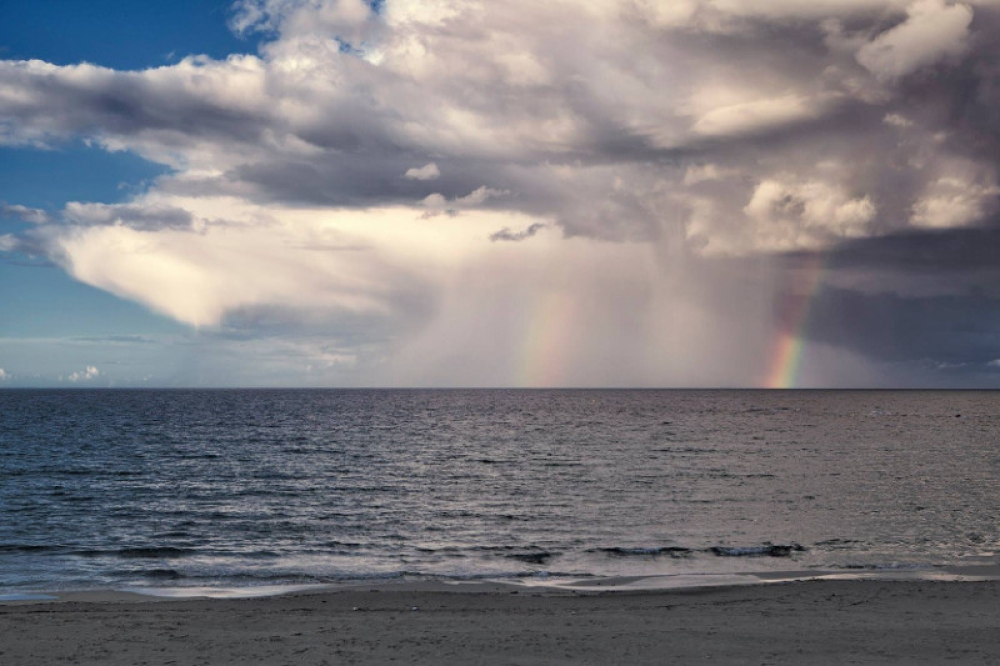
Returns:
point(789, 347)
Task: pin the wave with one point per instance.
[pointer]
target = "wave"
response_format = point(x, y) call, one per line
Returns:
point(532, 558)
point(764, 550)
point(655, 551)
point(139, 552)
point(529, 554)
point(156, 551)
point(161, 574)
point(28, 548)
point(884, 566)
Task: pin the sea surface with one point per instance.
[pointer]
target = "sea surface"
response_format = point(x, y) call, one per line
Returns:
point(240, 488)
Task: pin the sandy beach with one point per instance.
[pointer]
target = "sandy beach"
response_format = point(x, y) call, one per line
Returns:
point(812, 622)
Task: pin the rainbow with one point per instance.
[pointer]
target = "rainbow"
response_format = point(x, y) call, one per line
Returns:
point(793, 320)
point(544, 348)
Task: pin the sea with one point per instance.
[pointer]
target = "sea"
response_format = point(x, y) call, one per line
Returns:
point(246, 489)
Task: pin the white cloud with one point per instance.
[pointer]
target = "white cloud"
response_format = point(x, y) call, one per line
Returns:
point(345, 18)
point(88, 373)
point(951, 202)
point(756, 116)
point(428, 171)
point(932, 31)
point(790, 214)
point(781, 213)
point(480, 195)
point(3, 374)
point(706, 172)
point(897, 120)
point(349, 263)
point(793, 8)
point(437, 203)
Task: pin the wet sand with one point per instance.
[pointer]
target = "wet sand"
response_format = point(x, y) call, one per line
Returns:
point(812, 622)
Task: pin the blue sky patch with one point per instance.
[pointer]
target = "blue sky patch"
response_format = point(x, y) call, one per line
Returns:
point(121, 34)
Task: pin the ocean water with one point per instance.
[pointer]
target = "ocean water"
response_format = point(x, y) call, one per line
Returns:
point(178, 488)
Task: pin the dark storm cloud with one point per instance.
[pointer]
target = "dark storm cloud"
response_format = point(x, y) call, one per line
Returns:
point(917, 297)
point(139, 217)
point(359, 182)
point(506, 234)
point(950, 329)
point(954, 251)
point(54, 102)
point(359, 145)
point(926, 294)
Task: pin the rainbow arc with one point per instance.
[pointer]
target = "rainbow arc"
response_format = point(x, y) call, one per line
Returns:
point(789, 347)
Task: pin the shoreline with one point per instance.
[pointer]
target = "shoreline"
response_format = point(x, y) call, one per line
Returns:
point(814, 621)
point(541, 584)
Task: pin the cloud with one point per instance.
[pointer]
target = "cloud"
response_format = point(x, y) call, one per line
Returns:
point(792, 214)
point(429, 171)
point(480, 195)
point(139, 215)
point(88, 373)
point(345, 19)
point(3, 375)
point(506, 234)
point(438, 204)
point(756, 116)
point(897, 120)
point(116, 339)
point(963, 193)
point(685, 144)
point(933, 31)
point(33, 215)
point(946, 328)
point(201, 277)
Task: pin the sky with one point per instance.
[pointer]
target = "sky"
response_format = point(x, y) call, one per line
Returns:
point(599, 193)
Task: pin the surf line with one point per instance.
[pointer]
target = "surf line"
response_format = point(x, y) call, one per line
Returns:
point(792, 321)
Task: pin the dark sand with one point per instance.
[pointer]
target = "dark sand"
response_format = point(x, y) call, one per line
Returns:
point(814, 622)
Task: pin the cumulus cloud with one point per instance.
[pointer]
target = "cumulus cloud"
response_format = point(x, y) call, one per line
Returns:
point(709, 137)
point(88, 373)
point(790, 214)
point(428, 171)
point(933, 31)
point(3, 375)
point(951, 202)
point(301, 262)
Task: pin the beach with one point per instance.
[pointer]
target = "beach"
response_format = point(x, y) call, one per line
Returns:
point(807, 622)
point(499, 527)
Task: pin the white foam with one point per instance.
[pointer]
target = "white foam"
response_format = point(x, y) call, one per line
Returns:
point(205, 592)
